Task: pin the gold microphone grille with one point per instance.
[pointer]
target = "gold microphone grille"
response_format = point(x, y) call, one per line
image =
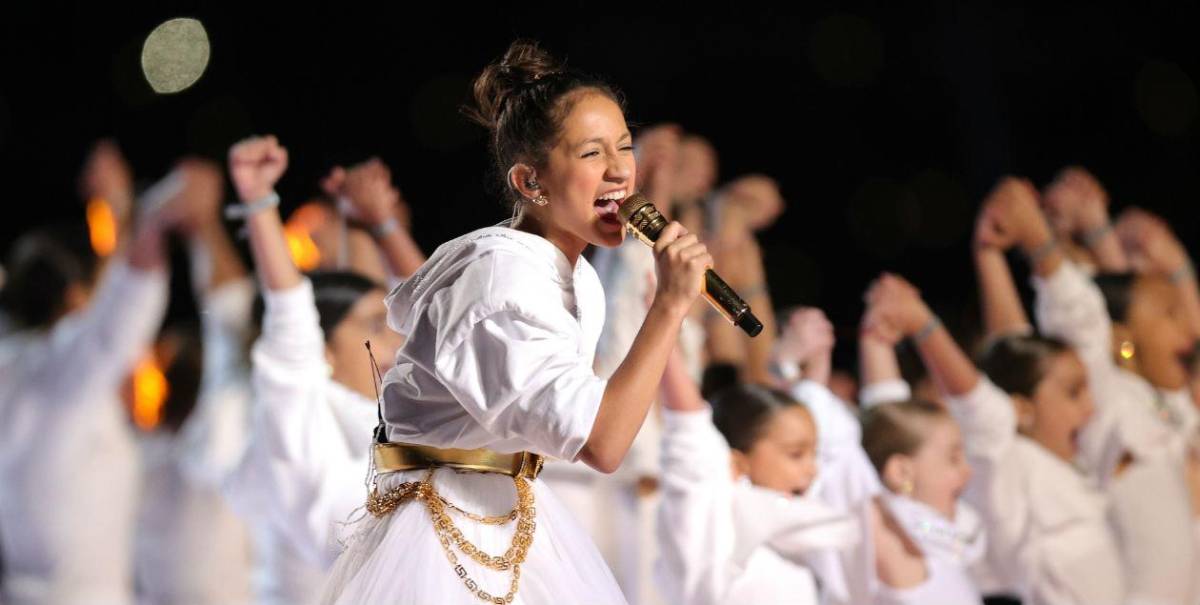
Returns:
point(641, 218)
point(631, 205)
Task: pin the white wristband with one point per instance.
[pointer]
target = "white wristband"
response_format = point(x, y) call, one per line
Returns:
point(241, 211)
point(389, 226)
point(789, 371)
point(927, 330)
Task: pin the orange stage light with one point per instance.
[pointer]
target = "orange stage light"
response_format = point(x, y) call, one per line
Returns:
point(102, 226)
point(149, 394)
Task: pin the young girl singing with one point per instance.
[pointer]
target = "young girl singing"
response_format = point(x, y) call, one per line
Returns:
point(496, 372)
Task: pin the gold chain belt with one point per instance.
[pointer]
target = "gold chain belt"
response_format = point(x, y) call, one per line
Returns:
point(522, 467)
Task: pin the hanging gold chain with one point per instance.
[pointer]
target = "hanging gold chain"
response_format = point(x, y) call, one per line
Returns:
point(381, 505)
point(495, 520)
point(451, 537)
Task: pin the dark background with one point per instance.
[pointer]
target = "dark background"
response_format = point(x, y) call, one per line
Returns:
point(885, 125)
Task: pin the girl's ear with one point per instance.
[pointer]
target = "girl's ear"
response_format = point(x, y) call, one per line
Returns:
point(1026, 413)
point(328, 360)
point(740, 463)
point(523, 179)
point(899, 475)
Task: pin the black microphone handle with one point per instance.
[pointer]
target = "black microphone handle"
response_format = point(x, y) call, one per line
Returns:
point(725, 300)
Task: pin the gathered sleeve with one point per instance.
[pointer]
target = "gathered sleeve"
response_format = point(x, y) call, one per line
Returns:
point(1070, 306)
point(524, 376)
point(299, 473)
point(885, 391)
point(846, 477)
point(998, 486)
point(987, 419)
point(696, 534)
point(214, 435)
point(116, 328)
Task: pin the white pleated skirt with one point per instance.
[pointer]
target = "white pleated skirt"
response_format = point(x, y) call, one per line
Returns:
point(398, 559)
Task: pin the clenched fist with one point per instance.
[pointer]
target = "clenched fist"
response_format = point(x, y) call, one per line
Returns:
point(255, 165)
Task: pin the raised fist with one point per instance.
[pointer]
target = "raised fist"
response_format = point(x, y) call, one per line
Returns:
point(255, 165)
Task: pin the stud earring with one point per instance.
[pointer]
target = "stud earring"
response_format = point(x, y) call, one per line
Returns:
point(906, 488)
point(540, 199)
point(1127, 351)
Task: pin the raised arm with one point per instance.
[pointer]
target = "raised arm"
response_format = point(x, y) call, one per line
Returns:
point(120, 321)
point(658, 151)
point(805, 348)
point(986, 414)
point(1077, 206)
point(696, 531)
point(1153, 248)
point(1069, 305)
point(215, 432)
point(679, 392)
point(878, 367)
point(255, 165)
point(376, 203)
point(896, 303)
point(747, 204)
point(214, 260)
point(681, 260)
point(299, 472)
point(1001, 305)
point(106, 184)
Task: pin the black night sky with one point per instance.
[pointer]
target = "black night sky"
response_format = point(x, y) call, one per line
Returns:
point(885, 125)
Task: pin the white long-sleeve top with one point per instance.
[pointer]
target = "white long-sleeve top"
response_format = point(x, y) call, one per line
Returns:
point(304, 470)
point(68, 463)
point(849, 480)
point(216, 433)
point(191, 547)
point(845, 476)
point(950, 549)
point(1151, 505)
point(500, 334)
point(884, 391)
point(1046, 522)
point(724, 542)
point(1130, 415)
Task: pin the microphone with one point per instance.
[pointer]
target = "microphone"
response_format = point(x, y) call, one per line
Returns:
point(645, 222)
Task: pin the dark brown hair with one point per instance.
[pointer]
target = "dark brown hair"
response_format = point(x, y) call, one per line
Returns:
point(334, 294)
point(522, 99)
point(1118, 292)
point(1018, 363)
point(897, 429)
point(42, 266)
point(741, 412)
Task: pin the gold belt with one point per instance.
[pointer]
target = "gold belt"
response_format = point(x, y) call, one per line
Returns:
point(395, 456)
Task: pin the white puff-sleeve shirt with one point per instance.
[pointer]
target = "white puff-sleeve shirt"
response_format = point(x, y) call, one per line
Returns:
point(501, 334)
